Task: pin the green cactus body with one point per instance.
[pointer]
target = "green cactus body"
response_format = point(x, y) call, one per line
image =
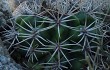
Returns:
point(52, 38)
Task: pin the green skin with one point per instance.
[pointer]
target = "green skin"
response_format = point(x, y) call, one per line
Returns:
point(52, 34)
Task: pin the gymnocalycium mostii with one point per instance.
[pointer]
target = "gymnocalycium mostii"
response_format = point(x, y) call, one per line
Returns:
point(55, 40)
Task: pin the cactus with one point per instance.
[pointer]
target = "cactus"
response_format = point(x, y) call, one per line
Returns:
point(55, 39)
point(71, 40)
